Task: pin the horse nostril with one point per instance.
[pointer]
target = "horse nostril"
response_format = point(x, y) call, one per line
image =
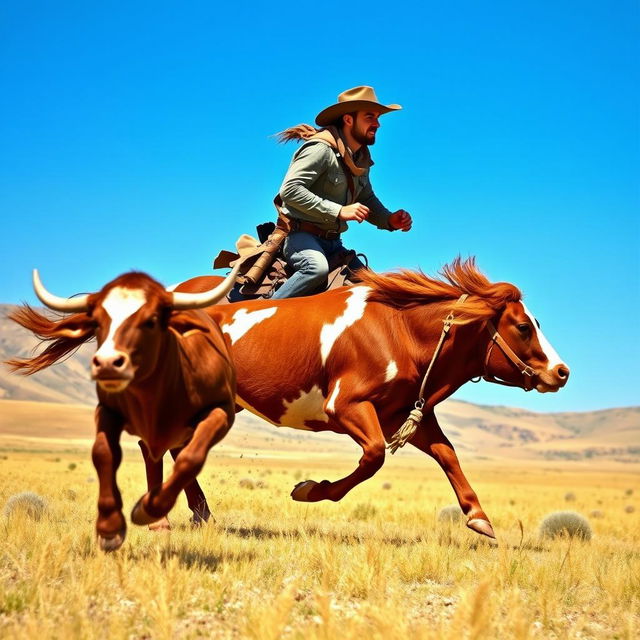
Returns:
point(95, 361)
point(563, 372)
point(119, 362)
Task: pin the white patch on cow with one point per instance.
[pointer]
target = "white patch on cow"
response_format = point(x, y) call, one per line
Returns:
point(244, 320)
point(356, 303)
point(391, 372)
point(331, 402)
point(553, 358)
point(309, 405)
point(119, 304)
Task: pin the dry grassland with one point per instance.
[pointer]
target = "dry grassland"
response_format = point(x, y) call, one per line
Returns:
point(376, 565)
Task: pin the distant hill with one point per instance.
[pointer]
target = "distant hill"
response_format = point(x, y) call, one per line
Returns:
point(476, 430)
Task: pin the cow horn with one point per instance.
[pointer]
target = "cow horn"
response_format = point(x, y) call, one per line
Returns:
point(56, 303)
point(182, 300)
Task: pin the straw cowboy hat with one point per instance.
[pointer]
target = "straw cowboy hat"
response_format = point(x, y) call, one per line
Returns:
point(356, 99)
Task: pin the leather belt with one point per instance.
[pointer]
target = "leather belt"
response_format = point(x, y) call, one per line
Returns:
point(309, 227)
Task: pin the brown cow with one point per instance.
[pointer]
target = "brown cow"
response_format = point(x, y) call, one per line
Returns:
point(352, 361)
point(163, 373)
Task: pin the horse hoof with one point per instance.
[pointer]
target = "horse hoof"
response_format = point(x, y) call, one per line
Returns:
point(481, 526)
point(160, 525)
point(111, 544)
point(301, 491)
point(139, 514)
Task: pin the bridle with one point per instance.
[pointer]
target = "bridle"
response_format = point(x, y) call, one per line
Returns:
point(526, 371)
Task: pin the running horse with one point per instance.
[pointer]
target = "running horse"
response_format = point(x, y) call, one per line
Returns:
point(358, 360)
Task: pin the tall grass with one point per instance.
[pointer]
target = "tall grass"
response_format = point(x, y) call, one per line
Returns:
point(379, 564)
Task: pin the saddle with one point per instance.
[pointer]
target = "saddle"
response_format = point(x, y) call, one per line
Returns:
point(264, 269)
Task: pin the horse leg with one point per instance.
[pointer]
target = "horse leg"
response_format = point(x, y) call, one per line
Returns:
point(106, 454)
point(360, 421)
point(154, 479)
point(158, 502)
point(196, 499)
point(430, 439)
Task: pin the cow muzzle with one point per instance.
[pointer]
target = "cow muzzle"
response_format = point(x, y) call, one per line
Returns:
point(113, 372)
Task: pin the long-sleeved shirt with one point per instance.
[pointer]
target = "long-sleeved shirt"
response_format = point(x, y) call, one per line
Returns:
point(315, 189)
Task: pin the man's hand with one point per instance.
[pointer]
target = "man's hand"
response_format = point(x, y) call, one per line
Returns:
point(355, 211)
point(401, 220)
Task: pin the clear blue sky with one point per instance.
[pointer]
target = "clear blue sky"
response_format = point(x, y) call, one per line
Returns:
point(136, 135)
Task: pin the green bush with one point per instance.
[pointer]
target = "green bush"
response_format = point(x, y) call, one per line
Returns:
point(565, 523)
point(363, 512)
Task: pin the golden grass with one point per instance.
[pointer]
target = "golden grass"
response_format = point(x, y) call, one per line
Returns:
point(376, 565)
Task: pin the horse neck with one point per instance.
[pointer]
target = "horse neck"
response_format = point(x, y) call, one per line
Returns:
point(461, 355)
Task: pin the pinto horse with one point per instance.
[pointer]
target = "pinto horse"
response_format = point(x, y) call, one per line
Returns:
point(353, 361)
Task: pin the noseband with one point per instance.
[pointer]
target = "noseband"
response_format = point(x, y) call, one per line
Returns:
point(526, 371)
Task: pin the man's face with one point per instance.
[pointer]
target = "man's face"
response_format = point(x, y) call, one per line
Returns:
point(365, 126)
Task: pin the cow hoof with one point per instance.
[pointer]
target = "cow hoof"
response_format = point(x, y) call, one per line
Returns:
point(301, 491)
point(481, 526)
point(139, 514)
point(160, 525)
point(111, 544)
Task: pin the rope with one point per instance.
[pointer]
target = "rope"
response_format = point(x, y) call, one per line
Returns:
point(410, 425)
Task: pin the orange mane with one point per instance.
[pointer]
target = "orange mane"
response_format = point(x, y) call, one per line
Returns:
point(407, 289)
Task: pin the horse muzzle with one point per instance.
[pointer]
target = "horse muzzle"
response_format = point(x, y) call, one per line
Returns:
point(552, 380)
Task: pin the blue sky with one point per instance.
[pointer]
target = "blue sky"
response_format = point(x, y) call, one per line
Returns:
point(137, 135)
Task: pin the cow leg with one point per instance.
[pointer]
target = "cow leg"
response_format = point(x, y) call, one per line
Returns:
point(430, 439)
point(158, 502)
point(153, 470)
point(360, 421)
point(106, 454)
point(196, 499)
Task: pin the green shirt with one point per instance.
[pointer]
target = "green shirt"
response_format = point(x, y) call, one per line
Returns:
point(315, 188)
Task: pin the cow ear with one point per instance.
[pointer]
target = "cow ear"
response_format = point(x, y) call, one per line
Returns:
point(77, 326)
point(185, 323)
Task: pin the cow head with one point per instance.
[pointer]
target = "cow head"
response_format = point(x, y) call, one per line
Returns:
point(527, 360)
point(129, 318)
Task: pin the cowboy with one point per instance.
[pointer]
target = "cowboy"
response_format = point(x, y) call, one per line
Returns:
point(327, 185)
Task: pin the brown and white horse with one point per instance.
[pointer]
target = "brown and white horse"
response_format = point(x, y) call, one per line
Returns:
point(352, 361)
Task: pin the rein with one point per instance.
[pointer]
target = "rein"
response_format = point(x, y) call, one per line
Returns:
point(410, 426)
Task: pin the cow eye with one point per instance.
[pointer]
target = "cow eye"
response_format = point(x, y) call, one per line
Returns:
point(151, 322)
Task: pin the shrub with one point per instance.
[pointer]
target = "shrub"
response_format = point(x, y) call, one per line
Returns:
point(363, 512)
point(565, 523)
point(247, 483)
point(386, 486)
point(570, 496)
point(71, 466)
point(628, 492)
point(27, 503)
point(629, 508)
point(450, 514)
point(596, 513)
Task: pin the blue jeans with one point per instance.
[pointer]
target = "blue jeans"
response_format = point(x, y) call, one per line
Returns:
point(308, 256)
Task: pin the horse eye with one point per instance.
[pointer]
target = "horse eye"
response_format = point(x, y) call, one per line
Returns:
point(151, 322)
point(524, 328)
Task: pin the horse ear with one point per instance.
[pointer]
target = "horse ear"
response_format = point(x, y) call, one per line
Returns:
point(185, 323)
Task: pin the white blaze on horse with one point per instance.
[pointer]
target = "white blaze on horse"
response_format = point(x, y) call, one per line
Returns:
point(354, 360)
point(163, 372)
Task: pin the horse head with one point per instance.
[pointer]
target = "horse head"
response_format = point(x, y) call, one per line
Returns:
point(518, 354)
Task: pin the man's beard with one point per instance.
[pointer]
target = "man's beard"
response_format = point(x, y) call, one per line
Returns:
point(361, 137)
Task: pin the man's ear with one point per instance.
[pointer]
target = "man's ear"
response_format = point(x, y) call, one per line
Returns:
point(184, 323)
point(347, 120)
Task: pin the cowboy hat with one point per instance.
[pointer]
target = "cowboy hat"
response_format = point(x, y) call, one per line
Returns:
point(356, 99)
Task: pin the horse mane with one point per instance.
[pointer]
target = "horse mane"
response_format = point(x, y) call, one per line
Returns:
point(49, 330)
point(407, 289)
